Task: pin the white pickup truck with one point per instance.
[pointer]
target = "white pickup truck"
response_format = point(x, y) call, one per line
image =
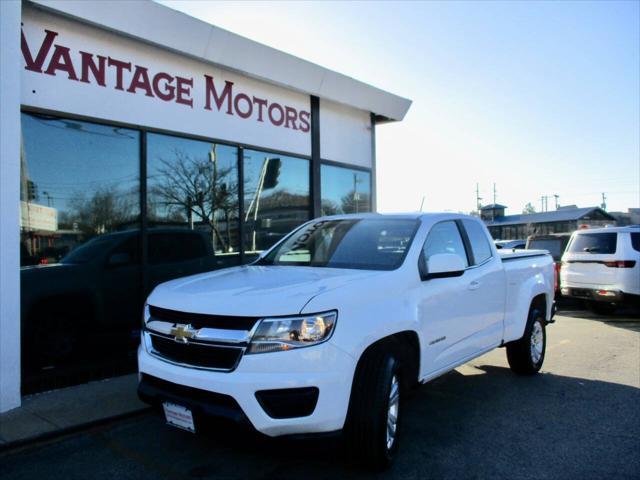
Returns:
point(327, 329)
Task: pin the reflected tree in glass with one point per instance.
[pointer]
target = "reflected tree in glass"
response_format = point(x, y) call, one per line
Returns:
point(195, 183)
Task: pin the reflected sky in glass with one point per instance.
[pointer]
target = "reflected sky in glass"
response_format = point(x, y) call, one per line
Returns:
point(338, 185)
point(67, 159)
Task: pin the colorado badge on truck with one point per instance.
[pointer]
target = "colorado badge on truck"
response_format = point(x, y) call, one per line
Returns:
point(327, 330)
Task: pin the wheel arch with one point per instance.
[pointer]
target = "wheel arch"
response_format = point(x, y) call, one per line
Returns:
point(540, 301)
point(406, 345)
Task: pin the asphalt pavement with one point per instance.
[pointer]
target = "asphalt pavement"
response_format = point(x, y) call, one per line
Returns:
point(580, 418)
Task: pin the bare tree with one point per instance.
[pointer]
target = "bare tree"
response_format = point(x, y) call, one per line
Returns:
point(329, 207)
point(355, 202)
point(105, 211)
point(189, 186)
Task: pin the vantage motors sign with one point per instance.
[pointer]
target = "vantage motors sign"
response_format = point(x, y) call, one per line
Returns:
point(73, 68)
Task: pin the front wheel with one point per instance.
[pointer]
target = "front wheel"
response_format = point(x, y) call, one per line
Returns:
point(372, 429)
point(525, 356)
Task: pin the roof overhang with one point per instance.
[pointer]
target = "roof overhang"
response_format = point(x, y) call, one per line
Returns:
point(166, 28)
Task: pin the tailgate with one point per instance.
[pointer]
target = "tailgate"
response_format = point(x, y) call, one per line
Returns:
point(593, 272)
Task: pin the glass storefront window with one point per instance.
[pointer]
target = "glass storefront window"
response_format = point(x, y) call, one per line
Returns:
point(83, 273)
point(192, 186)
point(344, 190)
point(79, 229)
point(276, 197)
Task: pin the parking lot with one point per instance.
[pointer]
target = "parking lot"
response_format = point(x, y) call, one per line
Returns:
point(580, 418)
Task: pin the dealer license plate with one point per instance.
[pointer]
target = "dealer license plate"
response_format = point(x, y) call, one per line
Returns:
point(179, 416)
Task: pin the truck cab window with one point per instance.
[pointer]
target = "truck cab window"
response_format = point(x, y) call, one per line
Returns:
point(478, 240)
point(444, 237)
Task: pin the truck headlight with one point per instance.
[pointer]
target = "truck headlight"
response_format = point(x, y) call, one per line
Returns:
point(278, 334)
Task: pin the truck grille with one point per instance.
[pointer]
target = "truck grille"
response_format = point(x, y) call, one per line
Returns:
point(200, 320)
point(197, 354)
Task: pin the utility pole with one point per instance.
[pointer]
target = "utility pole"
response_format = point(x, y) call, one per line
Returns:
point(544, 203)
point(556, 197)
point(604, 201)
point(494, 194)
point(478, 198)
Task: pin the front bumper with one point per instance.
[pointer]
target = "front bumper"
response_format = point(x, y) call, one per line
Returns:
point(233, 394)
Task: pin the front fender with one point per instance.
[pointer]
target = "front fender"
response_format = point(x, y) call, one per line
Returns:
point(368, 314)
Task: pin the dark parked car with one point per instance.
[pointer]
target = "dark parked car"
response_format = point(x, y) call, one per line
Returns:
point(92, 299)
point(555, 243)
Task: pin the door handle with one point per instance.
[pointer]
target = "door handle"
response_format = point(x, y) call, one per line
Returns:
point(474, 285)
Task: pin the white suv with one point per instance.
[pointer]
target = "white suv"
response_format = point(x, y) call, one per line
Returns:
point(602, 266)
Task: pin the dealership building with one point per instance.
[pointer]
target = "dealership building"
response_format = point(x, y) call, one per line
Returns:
point(137, 145)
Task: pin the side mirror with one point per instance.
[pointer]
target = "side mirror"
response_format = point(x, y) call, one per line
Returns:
point(119, 259)
point(442, 265)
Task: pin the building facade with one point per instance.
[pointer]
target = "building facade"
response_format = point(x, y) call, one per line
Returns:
point(563, 220)
point(143, 147)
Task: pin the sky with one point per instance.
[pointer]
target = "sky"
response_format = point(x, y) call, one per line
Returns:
point(540, 98)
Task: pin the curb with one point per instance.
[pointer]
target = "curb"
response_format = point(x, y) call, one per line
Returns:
point(54, 434)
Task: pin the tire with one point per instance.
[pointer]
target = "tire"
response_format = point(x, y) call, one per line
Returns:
point(372, 436)
point(53, 341)
point(603, 308)
point(526, 356)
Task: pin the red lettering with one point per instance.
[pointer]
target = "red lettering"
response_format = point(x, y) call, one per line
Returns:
point(305, 124)
point(261, 102)
point(227, 93)
point(36, 65)
point(61, 60)
point(98, 71)
point(236, 104)
point(120, 66)
point(291, 118)
point(140, 80)
point(183, 88)
point(276, 106)
point(167, 93)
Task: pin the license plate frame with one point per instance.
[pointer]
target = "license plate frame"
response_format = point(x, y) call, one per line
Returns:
point(179, 416)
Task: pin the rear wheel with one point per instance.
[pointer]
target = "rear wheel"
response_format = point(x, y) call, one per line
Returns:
point(525, 356)
point(372, 428)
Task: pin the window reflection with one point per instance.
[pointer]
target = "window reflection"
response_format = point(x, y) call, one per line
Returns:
point(345, 190)
point(192, 185)
point(79, 214)
point(276, 197)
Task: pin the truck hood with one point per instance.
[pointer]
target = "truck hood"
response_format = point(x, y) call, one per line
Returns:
point(253, 291)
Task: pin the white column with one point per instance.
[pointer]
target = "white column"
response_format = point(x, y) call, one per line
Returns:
point(10, 63)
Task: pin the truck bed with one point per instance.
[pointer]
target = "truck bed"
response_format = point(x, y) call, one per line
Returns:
point(515, 254)
point(524, 269)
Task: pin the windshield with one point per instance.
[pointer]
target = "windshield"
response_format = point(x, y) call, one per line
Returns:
point(88, 251)
point(368, 244)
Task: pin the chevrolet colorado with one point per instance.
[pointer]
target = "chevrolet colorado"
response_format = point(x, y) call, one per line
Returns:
point(327, 330)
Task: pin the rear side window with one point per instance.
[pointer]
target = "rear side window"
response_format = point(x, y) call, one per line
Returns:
point(635, 241)
point(594, 243)
point(444, 237)
point(478, 240)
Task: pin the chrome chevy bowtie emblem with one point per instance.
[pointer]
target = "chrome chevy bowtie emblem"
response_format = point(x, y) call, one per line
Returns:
point(182, 333)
